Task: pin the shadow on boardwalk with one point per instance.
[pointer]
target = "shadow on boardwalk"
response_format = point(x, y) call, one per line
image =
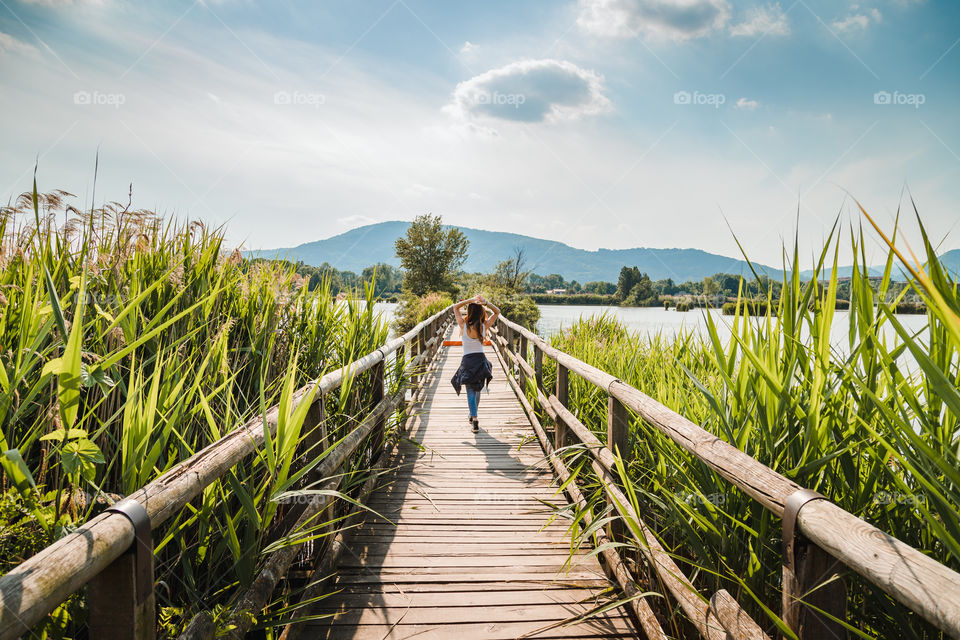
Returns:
point(467, 551)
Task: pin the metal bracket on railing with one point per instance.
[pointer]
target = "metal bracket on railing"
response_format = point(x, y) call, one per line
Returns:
point(142, 545)
point(791, 509)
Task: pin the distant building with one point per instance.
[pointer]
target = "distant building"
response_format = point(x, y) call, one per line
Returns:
point(557, 292)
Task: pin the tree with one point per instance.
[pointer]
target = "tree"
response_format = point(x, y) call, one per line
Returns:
point(710, 286)
point(430, 255)
point(629, 276)
point(600, 287)
point(665, 287)
point(642, 294)
point(388, 278)
point(729, 283)
point(554, 281)
point(513, 272)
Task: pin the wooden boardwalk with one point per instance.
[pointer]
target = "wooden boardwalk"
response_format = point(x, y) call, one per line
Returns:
point(471, 554)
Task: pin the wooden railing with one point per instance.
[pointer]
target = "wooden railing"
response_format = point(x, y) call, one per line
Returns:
point(113, 555)
point(817, 533)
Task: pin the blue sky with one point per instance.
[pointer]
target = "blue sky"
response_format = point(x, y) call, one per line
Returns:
point(599, 123)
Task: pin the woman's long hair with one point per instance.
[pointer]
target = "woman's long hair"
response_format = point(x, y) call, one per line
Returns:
point(476, 317)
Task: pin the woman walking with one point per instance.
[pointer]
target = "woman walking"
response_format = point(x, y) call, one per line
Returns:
point(475, 370)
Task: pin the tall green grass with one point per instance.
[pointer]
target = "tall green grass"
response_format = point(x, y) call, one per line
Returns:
point(127, 344)
point(874, 426)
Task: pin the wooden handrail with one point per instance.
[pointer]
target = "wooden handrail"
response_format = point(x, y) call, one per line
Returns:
point(615, 565)
point(917, 581)
point(38, 585)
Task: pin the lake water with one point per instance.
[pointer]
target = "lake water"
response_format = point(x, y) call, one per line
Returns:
point(653, 320)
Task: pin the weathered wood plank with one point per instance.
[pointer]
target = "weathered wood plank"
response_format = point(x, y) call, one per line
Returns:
point(375, 614)
point(476, 631)
point(473, 598)
point(471, 531)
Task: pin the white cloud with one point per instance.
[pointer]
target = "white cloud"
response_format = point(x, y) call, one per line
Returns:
point(349, 161)
point(747, 105)
point(9, 44)
point(769, 20)
point(658, 19)
point(64, 3)
point(419, 190)
point(531, 91)
point(857, 22)
point(469, 48)
point(354, 221)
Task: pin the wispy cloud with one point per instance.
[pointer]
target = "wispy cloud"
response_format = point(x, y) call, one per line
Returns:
point(763, 20)
point(857, 22)
point(658, 19)
point(10, 44)
point(531, 91)
point(295, 127)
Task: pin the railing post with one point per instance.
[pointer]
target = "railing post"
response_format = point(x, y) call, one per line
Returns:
point(315, 443)
point(811, 584)
point(399, 362)
point(418, 343)
point(376, 397)
point(120, 598)
point(315, 440)
point(538, 365)
point(618, 441)
point(523, 356)
point(563, 395)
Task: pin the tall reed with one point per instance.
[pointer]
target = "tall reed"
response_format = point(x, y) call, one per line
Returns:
point(127, 344)
point(874, 426)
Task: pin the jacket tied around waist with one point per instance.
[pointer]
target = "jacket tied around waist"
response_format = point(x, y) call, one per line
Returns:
point(475, 372)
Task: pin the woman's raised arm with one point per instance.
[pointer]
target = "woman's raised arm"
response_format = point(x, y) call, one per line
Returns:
point(496, 312)
point(456, 308)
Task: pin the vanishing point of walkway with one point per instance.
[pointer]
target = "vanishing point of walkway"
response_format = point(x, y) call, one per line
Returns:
point(471, 554)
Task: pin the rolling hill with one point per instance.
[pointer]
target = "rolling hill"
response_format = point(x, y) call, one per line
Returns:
point(367, 245)
point(949, 259)
point(361, 247)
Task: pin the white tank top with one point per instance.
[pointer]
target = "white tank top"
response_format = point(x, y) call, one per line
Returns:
point(471, 345)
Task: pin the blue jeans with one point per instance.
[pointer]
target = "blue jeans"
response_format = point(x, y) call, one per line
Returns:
point(473, 401)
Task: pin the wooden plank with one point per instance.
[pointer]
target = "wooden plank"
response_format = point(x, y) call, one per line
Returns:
point(916, 580)
point(734, 619)
point(472, 598)
point(403, 575)
point(459, 615)
point(471, 531)
point(464, 588)
point(475, 631)
point(370, 550)
point(37, 586)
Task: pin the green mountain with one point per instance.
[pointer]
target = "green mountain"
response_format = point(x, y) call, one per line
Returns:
point(367, 245)
point(949, 259)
